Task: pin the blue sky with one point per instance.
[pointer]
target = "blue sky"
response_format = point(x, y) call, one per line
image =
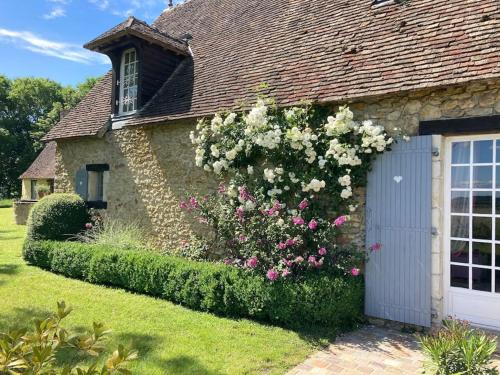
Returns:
point(44, 38)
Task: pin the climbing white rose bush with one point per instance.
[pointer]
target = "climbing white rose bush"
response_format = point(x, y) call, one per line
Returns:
point(287, 182)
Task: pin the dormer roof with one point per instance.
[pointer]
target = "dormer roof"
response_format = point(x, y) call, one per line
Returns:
point(139, 29)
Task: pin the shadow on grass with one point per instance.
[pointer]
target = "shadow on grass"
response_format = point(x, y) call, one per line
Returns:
point(6, 234)
point(187, 365)
point(9, 269)
point(22, 318)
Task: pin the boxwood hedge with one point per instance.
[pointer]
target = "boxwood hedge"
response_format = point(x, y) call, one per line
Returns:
point(320, 298)
point(57, 216)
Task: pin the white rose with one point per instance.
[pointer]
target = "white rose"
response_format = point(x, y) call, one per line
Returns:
point(231, 154)
point(346, 193)
point(215, 151)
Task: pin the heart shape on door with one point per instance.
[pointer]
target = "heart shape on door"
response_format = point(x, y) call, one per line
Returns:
point(398, 179)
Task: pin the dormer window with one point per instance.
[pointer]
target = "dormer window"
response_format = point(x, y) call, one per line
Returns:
point(143, 58)
point(129, 81)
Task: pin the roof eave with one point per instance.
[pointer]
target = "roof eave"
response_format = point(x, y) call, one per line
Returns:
point(102, 45)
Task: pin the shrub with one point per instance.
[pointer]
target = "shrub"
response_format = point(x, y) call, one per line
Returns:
point(23, 352)
point(290, 176)
point(318, 298)
point(457, 348)
point(57, 217)
point(106, 231)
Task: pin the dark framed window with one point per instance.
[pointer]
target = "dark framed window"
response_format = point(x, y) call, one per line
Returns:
point(97, 184)
point(33, 193)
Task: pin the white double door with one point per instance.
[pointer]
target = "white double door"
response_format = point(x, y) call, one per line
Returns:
point(472, 229)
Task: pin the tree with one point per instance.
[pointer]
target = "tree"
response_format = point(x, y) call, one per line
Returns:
point(29, 107)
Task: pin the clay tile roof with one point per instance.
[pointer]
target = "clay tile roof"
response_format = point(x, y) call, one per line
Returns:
point(135, 27)
point(44, 165)
point(320, 50)
point(89, 117)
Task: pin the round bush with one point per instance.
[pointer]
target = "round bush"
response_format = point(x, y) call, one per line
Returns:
point(57, 217)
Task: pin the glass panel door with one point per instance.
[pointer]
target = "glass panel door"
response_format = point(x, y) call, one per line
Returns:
point(475, 215)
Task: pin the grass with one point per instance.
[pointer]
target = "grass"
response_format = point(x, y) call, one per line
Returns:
point(5, 203)
point(170, 339)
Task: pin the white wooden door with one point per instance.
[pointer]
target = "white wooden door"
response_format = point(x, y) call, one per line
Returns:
point(472, 229)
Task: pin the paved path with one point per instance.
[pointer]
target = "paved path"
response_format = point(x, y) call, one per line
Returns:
point(369, 350)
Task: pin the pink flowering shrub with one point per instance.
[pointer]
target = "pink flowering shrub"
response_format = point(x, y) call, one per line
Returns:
point(268, 237)
point(289, 177)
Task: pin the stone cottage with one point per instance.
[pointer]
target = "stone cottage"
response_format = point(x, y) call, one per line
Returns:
point(36, 181)
point(428, 67)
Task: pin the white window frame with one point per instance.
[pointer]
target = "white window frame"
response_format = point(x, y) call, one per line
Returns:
point(482, 308)
point(122, 82)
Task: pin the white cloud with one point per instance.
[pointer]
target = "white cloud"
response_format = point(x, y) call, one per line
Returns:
point(60, 50)
point(56, 12)
point(125, 8)
point(101, 4)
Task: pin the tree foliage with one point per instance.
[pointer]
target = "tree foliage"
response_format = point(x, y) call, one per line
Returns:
point(29, 107)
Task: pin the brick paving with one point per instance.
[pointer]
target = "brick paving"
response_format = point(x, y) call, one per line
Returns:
point(369, 350)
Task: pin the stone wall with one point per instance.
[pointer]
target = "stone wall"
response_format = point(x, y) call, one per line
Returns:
point(151, 170)
point(152, 167)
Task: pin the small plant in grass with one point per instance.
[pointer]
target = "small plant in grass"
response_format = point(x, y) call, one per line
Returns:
point(458, 349)
point(119, 234)
point(25, 352)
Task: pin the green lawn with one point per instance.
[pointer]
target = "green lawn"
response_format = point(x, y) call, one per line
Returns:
point(4, 203)
point(170, 339)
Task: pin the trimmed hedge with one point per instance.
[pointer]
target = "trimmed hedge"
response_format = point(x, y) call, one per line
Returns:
point(57, 216)
point(319, 299)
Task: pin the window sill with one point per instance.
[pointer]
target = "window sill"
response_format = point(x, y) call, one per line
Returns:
point(381, 3)
point(119, 120)
point(100, 205)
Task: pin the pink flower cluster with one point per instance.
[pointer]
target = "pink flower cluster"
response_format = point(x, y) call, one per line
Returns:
point(313, 224)
point(191, 204)
point(298, 220)
point(252, 262)
point(340, 221)
point(304, 204)
point(274, 209)
point(240, 212)
point(315, 262)
point(245, 195)
point(289, 242)
point(272, 275)
point(376, 246)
